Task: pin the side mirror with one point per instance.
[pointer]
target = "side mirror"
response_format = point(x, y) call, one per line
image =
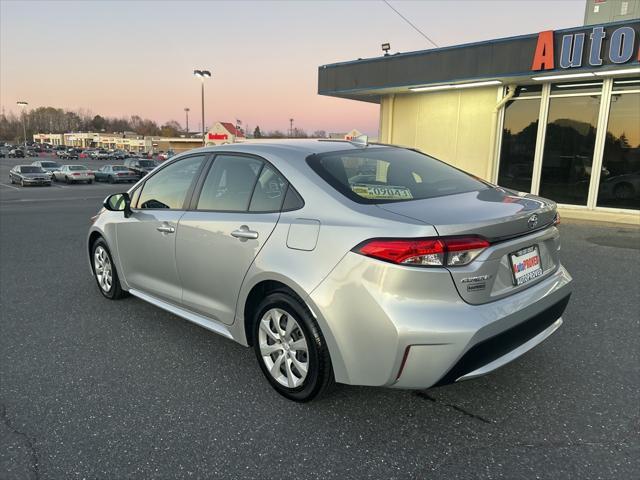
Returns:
point(118, 202)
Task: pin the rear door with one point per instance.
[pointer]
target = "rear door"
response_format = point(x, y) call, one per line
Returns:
point(146, 240)
point(231, 219)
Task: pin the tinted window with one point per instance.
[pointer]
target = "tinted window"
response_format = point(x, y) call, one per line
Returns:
point(31, 169)
point(269, 191)
point(229, 184)
point(620, 174)
point(292, 201)
point(119, 168)
point(168, 188)
point(77, 167)
point(519, 144)
point(380, 175)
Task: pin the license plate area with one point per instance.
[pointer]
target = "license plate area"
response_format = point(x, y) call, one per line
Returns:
point(525, 265)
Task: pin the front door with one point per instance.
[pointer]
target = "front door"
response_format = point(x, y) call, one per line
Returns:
point(146, 241)
point(236, 212)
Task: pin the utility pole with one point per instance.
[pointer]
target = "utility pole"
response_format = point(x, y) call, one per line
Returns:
point(186, 111)
point(290, 127)
point(23, 105)
point(202, 74)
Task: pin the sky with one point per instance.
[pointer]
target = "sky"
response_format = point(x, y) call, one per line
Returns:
point(122, 58)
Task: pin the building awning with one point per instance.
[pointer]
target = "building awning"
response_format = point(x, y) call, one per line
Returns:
point(594, 48)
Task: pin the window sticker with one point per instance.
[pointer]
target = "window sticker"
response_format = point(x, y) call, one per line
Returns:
point(381, 192)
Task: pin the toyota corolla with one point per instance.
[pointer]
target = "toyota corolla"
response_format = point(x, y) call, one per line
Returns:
point(338, 262)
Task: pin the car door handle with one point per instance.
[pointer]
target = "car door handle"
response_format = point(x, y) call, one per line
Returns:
point(244, 233)
point(166, 229)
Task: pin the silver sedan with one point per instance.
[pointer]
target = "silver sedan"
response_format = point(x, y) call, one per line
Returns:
point(338, 261)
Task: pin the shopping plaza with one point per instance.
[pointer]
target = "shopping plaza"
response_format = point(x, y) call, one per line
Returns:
point(554, 113)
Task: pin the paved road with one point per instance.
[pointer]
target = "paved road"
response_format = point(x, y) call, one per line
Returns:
point(97, 389)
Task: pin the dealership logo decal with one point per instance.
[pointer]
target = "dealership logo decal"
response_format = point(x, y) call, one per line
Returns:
point(533, 221)
point(622, 48)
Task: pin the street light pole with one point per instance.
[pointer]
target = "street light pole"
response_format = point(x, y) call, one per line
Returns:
point(186, 110)
point(291, 127)
point(23, 105)
point(202, 74)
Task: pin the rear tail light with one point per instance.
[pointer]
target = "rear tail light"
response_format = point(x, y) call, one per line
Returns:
point(556, 219)
point(76, 174)
point(429, 252)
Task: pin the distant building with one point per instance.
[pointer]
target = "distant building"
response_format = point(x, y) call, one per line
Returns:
point(605, 11)
point(350, 135)
point(223, 132)
point(129, 141)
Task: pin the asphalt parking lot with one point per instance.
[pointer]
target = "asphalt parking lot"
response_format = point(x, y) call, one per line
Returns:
point(107, 390)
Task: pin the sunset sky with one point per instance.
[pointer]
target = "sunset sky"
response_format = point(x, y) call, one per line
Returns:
point(122, 58)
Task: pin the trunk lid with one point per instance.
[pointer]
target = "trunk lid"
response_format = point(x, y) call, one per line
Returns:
point(494, 213)
point(505, 219)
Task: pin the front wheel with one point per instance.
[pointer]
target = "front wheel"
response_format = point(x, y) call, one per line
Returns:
point(290, 348)
point(105, 271)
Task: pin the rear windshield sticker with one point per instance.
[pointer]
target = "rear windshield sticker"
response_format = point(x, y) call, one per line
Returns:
point(381, 192)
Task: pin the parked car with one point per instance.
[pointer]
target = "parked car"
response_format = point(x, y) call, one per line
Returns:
point(48, 166)
point(424, 276)
point(115, 174)
point(16, 153)
point(29, 175)
point(101, 154)
point(72, 153)
point(163, 156)
point(140, 166)
point(4, 152)
point(73, 174)
point(119, 155)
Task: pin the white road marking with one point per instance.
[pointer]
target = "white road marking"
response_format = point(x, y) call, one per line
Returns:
point(9, 186)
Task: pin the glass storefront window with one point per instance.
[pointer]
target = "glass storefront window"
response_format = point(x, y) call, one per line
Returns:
point(518, 144)
point(528, 91)
point(620, 175)
point(568, 148)
point(594, 86)
point(626, 84)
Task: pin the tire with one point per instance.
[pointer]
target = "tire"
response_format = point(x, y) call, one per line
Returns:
point(22, 183)
point(111, 179)
point(66, 179)
point(101, 260)
point(292, 382)
point(89, 182)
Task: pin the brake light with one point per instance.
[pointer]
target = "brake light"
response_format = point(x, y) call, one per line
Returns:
point(76, 174)
point(556, 219)
point(430, 252)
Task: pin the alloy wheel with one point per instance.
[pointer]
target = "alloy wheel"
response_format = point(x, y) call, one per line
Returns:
point(283, 348)
point(102, 267)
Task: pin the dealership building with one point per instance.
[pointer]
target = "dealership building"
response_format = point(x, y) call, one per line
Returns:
point(554, 113)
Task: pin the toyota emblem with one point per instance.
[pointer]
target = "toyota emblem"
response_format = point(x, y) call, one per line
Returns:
point(533, 221)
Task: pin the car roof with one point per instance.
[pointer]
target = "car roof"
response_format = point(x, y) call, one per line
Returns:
point(305, 147)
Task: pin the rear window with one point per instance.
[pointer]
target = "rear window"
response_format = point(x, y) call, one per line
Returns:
point(383, 175)
point(77, 167)
point(31, 169)
point(120, 168)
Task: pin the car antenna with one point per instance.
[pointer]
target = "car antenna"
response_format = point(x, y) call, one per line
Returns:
point(360, 140)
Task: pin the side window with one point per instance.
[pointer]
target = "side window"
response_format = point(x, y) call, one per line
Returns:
point(168, 188)
point(292, 201)
point(269, 191)
point(229, 183)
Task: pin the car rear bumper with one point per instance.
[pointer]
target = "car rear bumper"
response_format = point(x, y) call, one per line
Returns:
point(389, 325)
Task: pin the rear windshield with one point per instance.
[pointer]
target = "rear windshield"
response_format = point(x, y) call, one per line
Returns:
point(49, 164)
point(31, 169)
point(120, 168)
point(146, 163)
point(383, 175)
point(77, 167)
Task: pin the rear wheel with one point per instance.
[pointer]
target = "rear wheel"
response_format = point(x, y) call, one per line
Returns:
point(105, 272)
point(111, 179)
point(90, 182)
point(22, 182)
point(290, 348)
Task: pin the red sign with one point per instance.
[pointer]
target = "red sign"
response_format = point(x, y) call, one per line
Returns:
point(218, 136)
